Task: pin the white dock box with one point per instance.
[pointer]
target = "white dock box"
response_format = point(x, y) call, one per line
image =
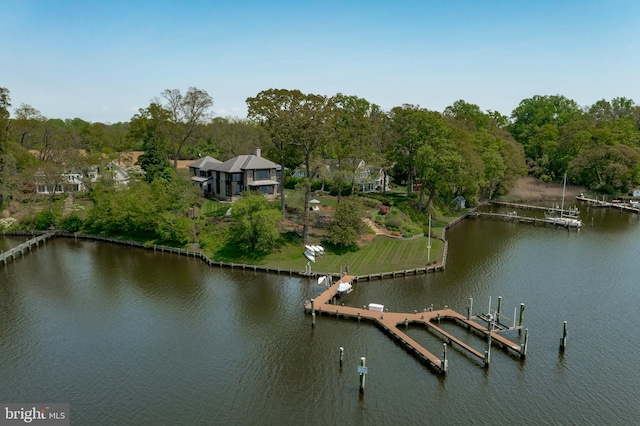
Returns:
point(375, 307)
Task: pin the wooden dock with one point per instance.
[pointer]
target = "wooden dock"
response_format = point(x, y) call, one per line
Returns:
point(598, 203)
point(566, 211)
point(515, 217)
point(24, 247)
point(390, 322)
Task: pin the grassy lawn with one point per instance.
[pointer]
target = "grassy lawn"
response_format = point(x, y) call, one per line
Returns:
point(383, 254)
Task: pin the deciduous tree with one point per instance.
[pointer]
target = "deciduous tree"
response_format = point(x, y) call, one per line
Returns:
point(255, 230)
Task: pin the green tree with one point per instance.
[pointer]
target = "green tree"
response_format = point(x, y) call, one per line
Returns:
point(154, 161)
point(278, 113)
point(608, 169)
point(185, 114)
point(5, 104)
point(347, 224)
point(255, 230)
point(536, 124)
point(296, 124)
point(354, 136)
point(410, 125)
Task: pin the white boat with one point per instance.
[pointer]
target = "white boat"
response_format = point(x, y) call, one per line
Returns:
point(569, 221)
point(345, 287)
point(309, 255)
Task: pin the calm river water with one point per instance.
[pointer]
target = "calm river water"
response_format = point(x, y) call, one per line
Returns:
point(128, 336)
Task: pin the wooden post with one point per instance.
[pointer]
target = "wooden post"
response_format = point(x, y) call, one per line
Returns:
point(470, 308)
point(313, 313)
point(487, 353)
point(563, 340)
point(523, 346)
point(444, 366)
point(520, 319)
point(499, 308)
point(341, 355)
point(363, 373)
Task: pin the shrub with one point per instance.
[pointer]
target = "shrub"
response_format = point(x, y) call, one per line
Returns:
point(44, 220)
point(71, 223)
point(394, 223)
point(384, 209)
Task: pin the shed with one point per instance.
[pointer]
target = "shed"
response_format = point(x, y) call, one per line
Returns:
point(460, 202)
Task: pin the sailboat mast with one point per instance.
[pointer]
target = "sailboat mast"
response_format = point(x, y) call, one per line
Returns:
point(563, 189)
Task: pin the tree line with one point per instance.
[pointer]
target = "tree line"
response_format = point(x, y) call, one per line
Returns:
point(461, 151)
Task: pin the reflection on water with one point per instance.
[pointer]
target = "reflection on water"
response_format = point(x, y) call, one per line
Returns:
point(135, 337)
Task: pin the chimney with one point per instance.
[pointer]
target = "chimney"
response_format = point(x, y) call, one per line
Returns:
point(256, 152)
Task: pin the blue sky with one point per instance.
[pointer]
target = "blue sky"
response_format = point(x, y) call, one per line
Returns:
point(102, 60)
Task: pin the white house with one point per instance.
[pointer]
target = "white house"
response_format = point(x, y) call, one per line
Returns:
point(635, 192)
point(368, 178)
point(69, 181)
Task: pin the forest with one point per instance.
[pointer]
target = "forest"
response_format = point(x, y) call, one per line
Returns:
point(434, 155)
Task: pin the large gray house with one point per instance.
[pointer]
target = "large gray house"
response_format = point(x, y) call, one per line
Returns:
point(227, 180)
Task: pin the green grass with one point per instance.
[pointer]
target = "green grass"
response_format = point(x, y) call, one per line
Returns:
point(214, 208)
point(381, 255)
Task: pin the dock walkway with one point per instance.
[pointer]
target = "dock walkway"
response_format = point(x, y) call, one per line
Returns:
point(26, 246)
point(390, 322)
point(597, 203)
point(514, 217)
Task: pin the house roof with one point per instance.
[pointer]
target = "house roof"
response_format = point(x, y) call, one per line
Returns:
point(205, 163)
point(246, 162)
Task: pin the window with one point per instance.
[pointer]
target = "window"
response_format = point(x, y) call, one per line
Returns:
point(266, 190)
point(262, 174)
point(236, 177)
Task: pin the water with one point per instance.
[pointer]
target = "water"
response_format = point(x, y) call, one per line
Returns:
point(128, 336)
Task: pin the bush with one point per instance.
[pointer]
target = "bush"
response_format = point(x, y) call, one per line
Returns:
point(71, 223)
point(394, 223)
point(44, 220)
point(384, 209)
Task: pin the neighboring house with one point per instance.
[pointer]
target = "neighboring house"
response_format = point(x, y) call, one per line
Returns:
point(460, 202)
point(227, 180)
point(118, 173)
point(368, 178)
point(75, 181)
point(70, 181)
point(635, 192)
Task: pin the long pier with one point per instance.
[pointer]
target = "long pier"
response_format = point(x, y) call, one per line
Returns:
point(564, 211)
point(24, 247)
point(598, 203)
point(514, 217)
point(430, 319)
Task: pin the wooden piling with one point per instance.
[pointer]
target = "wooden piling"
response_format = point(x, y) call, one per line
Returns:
point(341, 355)
point(520, 319)
point(444, 366)
point(563, 339)
point(363, 364)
